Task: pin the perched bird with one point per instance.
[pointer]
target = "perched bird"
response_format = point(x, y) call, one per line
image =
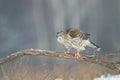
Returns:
point(74, 38)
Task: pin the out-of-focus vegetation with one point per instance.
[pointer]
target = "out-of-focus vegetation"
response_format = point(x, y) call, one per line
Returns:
point(26, 70)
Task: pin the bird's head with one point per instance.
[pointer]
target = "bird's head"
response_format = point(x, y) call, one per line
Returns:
point(60, 36)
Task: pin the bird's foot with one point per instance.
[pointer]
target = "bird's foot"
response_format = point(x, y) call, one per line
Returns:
point(77, 55)
point(66, 52)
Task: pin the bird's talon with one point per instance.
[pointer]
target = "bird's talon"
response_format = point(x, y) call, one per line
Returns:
point(77, 55)
point(66, 52)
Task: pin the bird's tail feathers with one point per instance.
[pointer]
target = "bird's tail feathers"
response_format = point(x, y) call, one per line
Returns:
point(93, 45)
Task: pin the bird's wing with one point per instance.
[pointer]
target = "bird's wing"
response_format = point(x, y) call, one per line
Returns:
point(77, 33)
point(85, 36)
point(73, 33)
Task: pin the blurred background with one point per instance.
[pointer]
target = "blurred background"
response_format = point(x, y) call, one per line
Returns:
point(34, 23)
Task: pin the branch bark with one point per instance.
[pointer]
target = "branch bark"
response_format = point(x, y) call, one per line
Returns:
point(94, 59)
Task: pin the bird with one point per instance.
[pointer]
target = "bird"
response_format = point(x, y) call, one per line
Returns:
point(77, 39)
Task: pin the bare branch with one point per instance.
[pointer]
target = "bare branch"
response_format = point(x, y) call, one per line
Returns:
point(94, 59)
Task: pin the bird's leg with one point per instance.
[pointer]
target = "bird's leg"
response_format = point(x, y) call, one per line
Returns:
point(77, 55)
point(68, 50)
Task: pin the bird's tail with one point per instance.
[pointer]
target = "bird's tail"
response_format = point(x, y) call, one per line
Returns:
point(94, 46)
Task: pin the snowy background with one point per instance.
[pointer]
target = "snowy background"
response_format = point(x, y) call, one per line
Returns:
point(108, 77)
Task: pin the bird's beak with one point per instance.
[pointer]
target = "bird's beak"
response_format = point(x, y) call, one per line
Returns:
point(57, 34)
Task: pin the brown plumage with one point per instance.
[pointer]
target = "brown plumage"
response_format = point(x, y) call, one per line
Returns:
point(75, 38)
point(77, 33)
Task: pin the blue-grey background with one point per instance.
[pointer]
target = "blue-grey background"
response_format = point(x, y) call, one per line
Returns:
point(34, 23)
